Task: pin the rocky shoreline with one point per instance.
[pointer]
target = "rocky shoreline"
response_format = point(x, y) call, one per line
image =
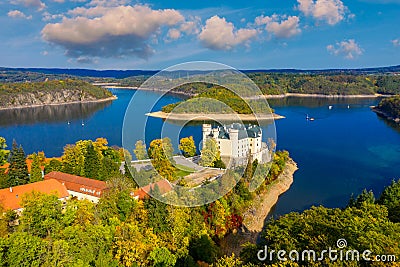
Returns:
point(385, 115)
point(255, 216)
point(254, 97)
point(61, 103)
point(185, 117)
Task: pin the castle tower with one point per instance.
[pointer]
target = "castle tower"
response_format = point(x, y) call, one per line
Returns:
point(206, 132)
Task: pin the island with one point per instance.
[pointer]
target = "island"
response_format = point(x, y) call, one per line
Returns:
point(51, 92)
point(217, 104)
point(389, 108)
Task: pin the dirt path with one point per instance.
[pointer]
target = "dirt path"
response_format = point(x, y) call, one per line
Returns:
point(254, 217)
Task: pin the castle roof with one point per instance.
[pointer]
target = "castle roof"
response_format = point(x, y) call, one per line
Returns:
point(244, 131)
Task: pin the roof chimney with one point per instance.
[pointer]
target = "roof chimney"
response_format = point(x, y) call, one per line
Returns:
point(10, 189)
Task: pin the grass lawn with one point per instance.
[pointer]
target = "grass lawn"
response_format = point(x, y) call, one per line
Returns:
point(182, 170)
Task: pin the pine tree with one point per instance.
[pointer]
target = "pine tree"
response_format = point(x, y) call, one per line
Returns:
point(18, 170)
point(36, 171)
point(91, 162)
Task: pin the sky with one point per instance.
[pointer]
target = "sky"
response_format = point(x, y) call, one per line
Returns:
point(124, 34)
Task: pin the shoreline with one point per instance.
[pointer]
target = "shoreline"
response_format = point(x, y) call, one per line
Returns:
point(318, 96)
point(256, 97)
point(179, 117)
point(254, 217)
point(111, 98)
point(385, 115)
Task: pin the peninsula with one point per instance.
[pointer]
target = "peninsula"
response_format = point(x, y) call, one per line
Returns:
point(389, 108)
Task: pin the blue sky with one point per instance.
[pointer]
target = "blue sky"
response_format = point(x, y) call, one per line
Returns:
point(123, 34)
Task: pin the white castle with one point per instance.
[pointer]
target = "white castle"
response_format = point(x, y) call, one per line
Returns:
point(238, 142)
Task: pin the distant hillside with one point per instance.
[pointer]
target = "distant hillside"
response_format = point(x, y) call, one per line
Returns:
point(50, 92)
point(120, 74)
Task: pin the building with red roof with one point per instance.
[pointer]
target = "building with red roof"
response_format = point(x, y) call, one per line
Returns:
point(164, 187)
point(10, 198)
point(80, 187)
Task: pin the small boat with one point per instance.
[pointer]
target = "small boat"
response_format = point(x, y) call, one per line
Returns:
point(348, 106)
point(330, 107)
point(309, 118)
point(69, 123)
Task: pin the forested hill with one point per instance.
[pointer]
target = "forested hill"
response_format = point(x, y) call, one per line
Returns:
point(390, 107)
point(49, 92)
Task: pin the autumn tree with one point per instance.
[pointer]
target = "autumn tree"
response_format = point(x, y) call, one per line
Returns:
point(3, 151)
point(187, 146)
point(18, 170)
point(140, 150)
point(209, 153)
point(36, 170)
point(160, 152)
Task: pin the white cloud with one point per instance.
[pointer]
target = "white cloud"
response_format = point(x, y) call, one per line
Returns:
point(331, 11)
point(280, 26)
point(218, 34)
point(18, 14)
point(347, 48)
point(173, 34)
point(46, 16)
point(30, 3)
point(191, 26)
point(111, 32)
point(396, 42)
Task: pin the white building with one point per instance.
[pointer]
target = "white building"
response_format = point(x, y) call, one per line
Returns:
point(238, 142)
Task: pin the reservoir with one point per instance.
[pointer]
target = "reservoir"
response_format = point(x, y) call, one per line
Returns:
point(345, 149)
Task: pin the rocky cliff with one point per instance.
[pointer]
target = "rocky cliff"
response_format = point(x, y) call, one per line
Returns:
point(50, 93)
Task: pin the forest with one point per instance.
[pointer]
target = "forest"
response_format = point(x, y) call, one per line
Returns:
point(390, 106)
point(304, 83)
point(121, 231)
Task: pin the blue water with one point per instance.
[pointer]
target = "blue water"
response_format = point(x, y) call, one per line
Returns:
point(342, 152)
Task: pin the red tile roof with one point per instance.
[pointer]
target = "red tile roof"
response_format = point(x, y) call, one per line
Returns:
point(10, 198)
point(79, 184)
point(163, 185)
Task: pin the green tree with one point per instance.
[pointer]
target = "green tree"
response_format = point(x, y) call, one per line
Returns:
point(209, 153)
point(187, 146)
point(203, 248)
point(18, 170)
point(390, 198)
point(108, 169)
point(31, 253)
point(91, 162)
point(42, 213)
point(36, 170)
point(3, 151)
point(365, 196)
point(162, 257)
point(53, 165)
point(140, 150)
